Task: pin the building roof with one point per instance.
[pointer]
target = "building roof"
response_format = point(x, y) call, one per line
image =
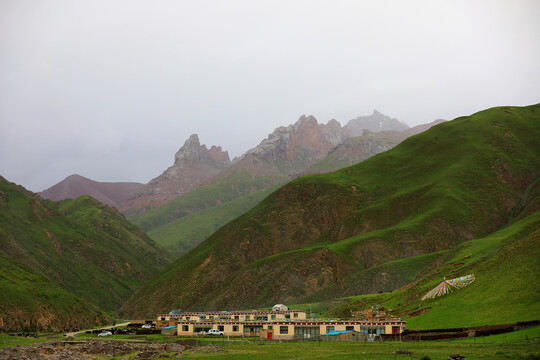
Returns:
point(344, 332)
point(339, 332)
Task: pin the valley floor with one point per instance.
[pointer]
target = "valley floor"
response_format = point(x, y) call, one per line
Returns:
point(518, 345)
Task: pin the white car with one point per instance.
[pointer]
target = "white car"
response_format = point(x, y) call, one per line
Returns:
point(146, 326)
point(215, 332)
point(105, 333)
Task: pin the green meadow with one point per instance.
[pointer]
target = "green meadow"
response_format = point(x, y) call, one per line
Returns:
point(522, 344)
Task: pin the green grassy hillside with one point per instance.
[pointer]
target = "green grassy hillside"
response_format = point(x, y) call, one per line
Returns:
point(186, 221)
point(506, 265)
point(347, 233)
point(226, 189)
point(359, 148)
point(30, 301)
point(183, 234)
point(81, 246)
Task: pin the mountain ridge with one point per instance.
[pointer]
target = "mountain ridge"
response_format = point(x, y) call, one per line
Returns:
point(282, 156)
point(308, 239)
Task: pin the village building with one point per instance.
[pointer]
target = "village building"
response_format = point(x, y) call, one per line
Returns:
point(241, 316)
point(278, 325)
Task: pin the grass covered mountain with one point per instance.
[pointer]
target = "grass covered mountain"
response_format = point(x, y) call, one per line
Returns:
point(109, 193)
point(364, 229)
point(63, 252)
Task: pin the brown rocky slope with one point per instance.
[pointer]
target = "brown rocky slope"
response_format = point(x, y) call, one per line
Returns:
point(193, 165)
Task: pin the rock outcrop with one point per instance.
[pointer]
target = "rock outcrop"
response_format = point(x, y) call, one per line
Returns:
point(375, 122)
point(193, 164)
point(306, 140)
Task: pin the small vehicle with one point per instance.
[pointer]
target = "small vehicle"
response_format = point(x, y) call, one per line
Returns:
point(146, 326)
point(214, 332)
point(105, 333)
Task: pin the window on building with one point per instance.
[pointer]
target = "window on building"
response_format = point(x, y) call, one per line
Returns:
point(211, 317)
point(283, 329)
point(295, 315)
point(270, 327)
point(287, 316)
point(185, 328)
point(273, 317)
point(221, 327)
point(187, 318)
point(306, 332)
point(235, 328)
point(237, 317)
point(377, 330)
point(349, 327)
point(329, 328)
point(162, 319)
point(248, 317)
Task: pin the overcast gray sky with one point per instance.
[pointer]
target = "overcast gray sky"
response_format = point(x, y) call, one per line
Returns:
point(111, 89)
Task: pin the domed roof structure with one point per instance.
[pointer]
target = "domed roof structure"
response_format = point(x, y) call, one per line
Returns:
point(280, 307)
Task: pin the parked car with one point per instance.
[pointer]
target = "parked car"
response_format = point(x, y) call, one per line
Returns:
point(105, 333)
point(146, 326)
point(215, 332)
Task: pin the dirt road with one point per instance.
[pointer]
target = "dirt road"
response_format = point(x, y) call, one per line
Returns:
point(103, 328)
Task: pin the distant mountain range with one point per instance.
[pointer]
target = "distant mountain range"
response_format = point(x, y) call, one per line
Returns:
point(375, 226)
point(203, 189)
point(287, 153)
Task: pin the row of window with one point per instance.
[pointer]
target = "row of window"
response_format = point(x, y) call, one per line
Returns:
point(284, 329)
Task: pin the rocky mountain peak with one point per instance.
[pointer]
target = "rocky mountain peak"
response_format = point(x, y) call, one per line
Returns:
point(333, 123)
point(375, 122)
point(305, 140)
point(306, 122)
point(192, 151)
point(193, 164)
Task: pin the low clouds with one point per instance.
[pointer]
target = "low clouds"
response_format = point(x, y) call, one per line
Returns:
point(111, 90)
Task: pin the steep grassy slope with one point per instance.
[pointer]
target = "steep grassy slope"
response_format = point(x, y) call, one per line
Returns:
point(458, 181)
point(360, 148)
point(506, 265)
point(184, 222)
point(183, 234)
point(30, 301)
point(236, 184)
point(82, 246)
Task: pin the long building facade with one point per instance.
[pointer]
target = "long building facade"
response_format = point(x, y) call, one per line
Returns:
point(279, 325)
